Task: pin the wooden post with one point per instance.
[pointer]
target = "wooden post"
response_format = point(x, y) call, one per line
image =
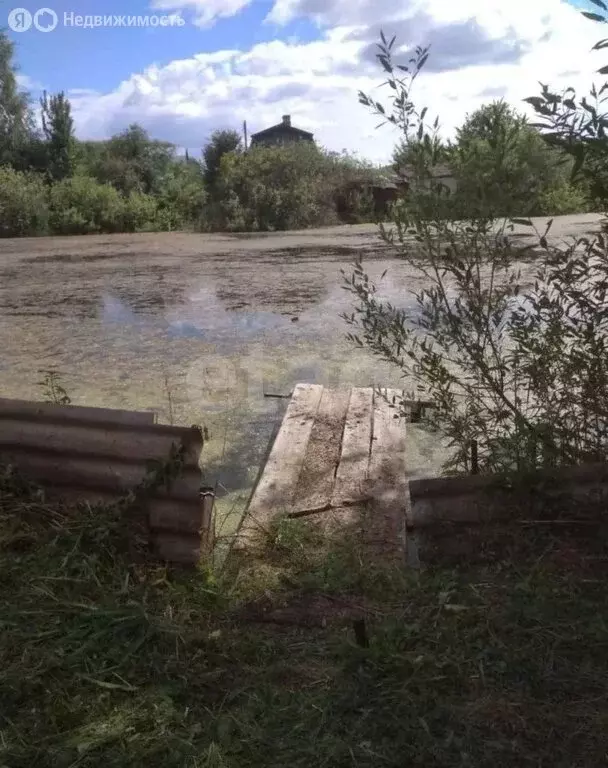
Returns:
point(245, 133)
point(474, 458)
point(207, 497)
point(361, 633)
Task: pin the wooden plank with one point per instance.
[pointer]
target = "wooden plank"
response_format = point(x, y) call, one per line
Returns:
point(27, 409)
point(102, 441)
point(351, 475)
point(316, 483)
point(83, 472)
point(275, 491)
point(388, 479)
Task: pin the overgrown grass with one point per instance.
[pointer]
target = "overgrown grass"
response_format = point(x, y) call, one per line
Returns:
point(106, 663)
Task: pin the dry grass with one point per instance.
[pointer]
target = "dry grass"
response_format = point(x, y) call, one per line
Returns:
point(106, 664)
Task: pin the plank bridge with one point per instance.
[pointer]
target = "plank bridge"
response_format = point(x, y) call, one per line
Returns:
point(339, 456)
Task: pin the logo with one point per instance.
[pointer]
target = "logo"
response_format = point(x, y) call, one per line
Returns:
point(45, 19)
point(20, 20)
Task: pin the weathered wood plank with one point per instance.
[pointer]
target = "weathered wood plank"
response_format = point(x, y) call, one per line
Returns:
point(317, 478)
point(387, 479)
point(275, 491)
point(102, 442)
point(26, 409)
point(351, 476)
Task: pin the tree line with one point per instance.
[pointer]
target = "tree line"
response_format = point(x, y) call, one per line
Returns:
point(53, 183)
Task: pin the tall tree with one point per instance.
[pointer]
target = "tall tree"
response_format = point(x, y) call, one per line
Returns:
point(142, 161)
point(501, 163)
point(16, 123)
point(578, 126)
point(220, 143)
point(58, 128)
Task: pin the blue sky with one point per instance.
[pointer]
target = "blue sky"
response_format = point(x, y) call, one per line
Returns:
point(74, 57)
point(257, 59)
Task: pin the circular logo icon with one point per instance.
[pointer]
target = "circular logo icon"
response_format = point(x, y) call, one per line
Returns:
point(45, 19)
point(19, 20)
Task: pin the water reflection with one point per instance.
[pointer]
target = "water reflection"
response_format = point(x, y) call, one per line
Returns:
point(227, 359)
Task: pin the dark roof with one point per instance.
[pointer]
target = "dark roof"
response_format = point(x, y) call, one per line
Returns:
point(440, 171)
point(380, 180)
point(282, 128)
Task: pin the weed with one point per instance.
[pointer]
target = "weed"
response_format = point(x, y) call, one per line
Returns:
point(103, 662)
point(53, 390)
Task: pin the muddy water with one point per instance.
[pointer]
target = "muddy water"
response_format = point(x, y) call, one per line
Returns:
point(197, 328)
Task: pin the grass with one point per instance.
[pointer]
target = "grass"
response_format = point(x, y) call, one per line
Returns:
point(503, 662)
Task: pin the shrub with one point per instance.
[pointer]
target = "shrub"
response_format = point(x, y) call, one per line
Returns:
point(564, 198)
point(182, 198)
point(140, 213)
point(522, 371)
point(23, 204)
point(81, 205)
point(284, 187)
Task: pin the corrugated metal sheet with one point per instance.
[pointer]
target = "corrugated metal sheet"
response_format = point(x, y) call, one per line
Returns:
point(480, 498)
point(99, 454)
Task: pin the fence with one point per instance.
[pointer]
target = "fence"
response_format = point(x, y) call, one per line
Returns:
point(99, 454)
point(449, 515)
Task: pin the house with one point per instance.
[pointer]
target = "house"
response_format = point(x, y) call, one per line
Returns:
point(283, 132)
point(383, 188)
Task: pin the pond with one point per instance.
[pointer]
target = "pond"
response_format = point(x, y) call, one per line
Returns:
point(198, 328)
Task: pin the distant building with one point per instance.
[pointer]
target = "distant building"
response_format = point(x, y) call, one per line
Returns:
point(384, 187)
point(282, 133)
point(440, 173)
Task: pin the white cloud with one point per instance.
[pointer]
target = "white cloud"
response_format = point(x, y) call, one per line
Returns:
point(27, 83)
point(205, 11)
point(481, 49)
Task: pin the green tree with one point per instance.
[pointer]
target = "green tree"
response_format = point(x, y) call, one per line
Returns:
point(520, 369)
point(501, 164)
point(16, 123)
point(81, 205)
point(182, 199)
point(130, 161)
point(221, 143)
point(23, 203)
point(281, 187)
point(579, 126)
point(58, 128)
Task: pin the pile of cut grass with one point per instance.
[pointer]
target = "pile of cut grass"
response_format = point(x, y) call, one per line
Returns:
point(103, 663)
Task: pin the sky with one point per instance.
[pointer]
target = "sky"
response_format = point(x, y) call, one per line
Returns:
point(200, 65)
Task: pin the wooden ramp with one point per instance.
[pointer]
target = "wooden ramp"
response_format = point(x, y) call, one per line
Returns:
point(340, 456)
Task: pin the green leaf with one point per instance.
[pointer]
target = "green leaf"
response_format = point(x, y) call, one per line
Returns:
point(593, 16)
point(522, 222)
point(600, 4)
point(603, 70)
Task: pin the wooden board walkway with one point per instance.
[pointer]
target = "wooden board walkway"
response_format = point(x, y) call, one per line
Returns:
point(339, 455)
